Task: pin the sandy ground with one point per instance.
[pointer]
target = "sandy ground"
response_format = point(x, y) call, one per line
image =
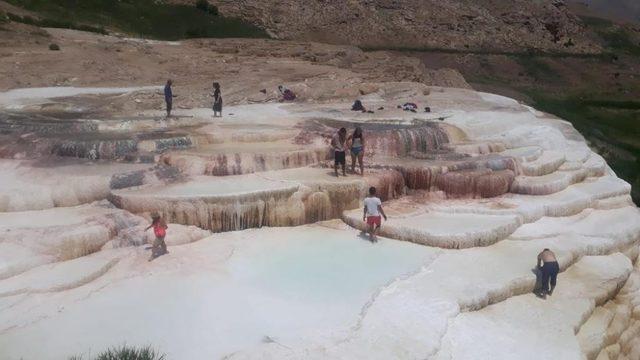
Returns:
point(243, 67)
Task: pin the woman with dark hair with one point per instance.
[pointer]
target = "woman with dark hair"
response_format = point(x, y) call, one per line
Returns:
point(356, 141)
point(217, 100)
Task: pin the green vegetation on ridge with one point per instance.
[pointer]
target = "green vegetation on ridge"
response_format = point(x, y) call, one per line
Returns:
point(147, 18)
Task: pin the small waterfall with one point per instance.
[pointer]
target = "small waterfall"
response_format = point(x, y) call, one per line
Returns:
point(95, 149)
point(404, 141)
point(179, 142)
point(244, 163)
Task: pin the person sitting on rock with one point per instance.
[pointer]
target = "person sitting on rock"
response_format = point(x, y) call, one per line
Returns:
point(548, 266)
point(160, 231)
point(287, 95)
point(339, 145)
point(357, 106)
point(409, 107)
point(371, 215)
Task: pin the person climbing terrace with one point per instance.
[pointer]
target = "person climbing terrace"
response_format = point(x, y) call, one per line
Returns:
point(168, 96)
point(548, 266)
point(356, 144)
point(217, 100)
point(339, 144)
point(371, 213)
point(159, 226)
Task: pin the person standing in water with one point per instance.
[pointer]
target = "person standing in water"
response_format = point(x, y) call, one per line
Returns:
point(160, 231)
point(168, 96)
point(371, 214)
point(548, 265)
point(339, 145)
point(217, 100)
point(356, 141)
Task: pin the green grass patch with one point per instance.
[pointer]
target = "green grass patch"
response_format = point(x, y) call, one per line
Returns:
point(614, 104)
point(612, 126)
point(55, 23)
point(126, 353)
point(525, 53)
point(616, 38)
point(146, 18)
point(536, 67)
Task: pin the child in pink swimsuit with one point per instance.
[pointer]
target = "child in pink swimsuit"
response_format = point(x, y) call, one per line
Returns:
point(160, 231)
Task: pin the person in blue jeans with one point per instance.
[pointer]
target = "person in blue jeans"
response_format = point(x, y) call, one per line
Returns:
point(548, 266)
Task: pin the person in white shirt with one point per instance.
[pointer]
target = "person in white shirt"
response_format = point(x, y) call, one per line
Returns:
point(372, 211)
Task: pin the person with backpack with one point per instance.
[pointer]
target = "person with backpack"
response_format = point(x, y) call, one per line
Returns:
point(160, 231)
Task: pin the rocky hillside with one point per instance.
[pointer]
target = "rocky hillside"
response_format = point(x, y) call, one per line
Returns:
point(622, 10)
point(543, 25)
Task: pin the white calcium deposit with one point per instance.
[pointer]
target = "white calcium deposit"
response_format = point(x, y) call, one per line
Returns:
point(289, 275)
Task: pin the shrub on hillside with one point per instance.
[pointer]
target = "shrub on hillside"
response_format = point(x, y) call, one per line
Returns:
point(54, 47)
point(55, 23)
point(142, 18)
point(126, 353)
point(204, 5)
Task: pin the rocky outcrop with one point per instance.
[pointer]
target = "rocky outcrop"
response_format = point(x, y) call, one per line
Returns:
point(453, 24)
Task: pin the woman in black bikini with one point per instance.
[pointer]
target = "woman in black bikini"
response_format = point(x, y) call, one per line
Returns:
point(356, 141)
point(217, 100)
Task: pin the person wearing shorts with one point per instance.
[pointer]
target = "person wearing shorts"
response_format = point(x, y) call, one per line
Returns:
point(356, 141)
point(372, 213)
point(339, 145)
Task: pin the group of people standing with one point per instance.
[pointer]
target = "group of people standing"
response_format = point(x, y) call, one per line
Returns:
point(354, 143)
point(284, 96)
point(216, 94)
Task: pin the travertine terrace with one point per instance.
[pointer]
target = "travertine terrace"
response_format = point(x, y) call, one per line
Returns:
point(267, 260)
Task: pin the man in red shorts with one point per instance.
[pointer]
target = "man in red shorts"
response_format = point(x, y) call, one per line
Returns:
point(372, 211)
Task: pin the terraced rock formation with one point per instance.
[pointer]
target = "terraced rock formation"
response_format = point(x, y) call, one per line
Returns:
point(267, 259)
point(474, 189)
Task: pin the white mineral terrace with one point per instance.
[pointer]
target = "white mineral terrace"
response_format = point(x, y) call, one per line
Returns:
point(266, 255)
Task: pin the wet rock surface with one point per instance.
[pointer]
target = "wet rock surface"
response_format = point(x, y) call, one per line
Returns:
point(266, 254)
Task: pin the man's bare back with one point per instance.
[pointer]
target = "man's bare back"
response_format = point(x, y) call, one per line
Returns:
point(547, 256)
